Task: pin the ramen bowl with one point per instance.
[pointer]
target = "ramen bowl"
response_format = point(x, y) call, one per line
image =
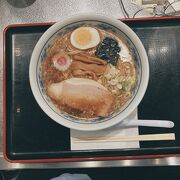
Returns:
point(80, 72)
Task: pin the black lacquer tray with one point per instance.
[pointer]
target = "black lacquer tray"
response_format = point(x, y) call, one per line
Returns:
point(31, 136)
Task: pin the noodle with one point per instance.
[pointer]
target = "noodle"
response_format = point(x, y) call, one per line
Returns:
point(119, 80)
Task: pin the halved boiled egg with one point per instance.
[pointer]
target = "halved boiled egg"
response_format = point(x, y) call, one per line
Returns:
point(85, 38)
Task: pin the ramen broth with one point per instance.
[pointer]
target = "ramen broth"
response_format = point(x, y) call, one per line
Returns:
point(69, 58)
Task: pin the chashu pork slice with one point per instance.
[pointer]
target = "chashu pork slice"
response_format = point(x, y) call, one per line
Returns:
point(82, 94)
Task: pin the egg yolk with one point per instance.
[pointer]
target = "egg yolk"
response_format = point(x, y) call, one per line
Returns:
point(82, 37)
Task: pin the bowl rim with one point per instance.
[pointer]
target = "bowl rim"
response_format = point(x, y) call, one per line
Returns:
point(137, 98)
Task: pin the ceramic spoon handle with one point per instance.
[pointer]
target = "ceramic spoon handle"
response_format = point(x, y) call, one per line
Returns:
point(151, 123)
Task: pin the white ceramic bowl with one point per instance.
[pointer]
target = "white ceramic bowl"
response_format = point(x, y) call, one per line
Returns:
point(70, 23)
